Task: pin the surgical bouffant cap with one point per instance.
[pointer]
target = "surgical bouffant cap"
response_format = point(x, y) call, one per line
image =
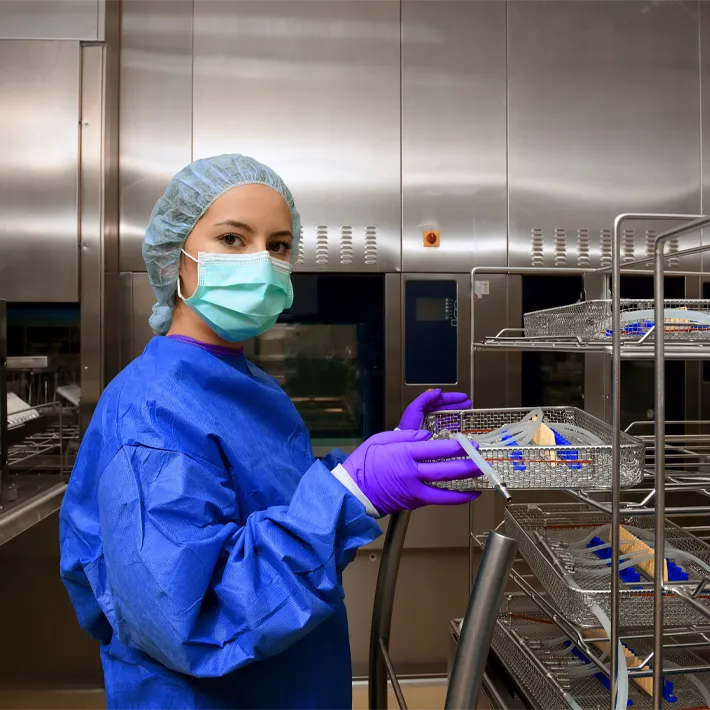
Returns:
point(185, 200)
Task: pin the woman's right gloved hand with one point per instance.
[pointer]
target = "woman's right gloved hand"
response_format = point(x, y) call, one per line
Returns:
point(390, 470)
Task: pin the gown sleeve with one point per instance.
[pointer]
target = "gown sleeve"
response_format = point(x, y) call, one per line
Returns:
point(203, 591)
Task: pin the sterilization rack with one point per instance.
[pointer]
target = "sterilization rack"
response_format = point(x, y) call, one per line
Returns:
point(545, 535)
point(590, 321)
point(657, 348)
point(530, 646)
point(533, 467)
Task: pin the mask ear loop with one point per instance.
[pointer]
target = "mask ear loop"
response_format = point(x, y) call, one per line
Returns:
point(179, 290)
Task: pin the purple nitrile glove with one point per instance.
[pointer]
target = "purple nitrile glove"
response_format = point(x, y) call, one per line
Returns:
point(432, 401)
point(390, 470)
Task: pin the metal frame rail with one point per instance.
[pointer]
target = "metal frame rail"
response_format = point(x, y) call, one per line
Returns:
point(3, 398)
point(469, 666)
point(659, 352)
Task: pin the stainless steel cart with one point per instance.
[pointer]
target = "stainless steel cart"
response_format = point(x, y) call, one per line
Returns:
point(677, 465)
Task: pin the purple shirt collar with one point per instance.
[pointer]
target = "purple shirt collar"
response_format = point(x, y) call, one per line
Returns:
point(218, 350)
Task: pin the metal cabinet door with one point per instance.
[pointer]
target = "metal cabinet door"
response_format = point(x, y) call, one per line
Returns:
point(39, 170)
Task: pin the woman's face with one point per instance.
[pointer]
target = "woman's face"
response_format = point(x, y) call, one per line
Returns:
point(245, 220)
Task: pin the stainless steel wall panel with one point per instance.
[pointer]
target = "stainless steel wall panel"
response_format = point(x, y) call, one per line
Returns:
point(137, 298)
point(39, 170)
point(454, 134)
point(51, 19)
point(432, 589)
point(393, 349)
point(93, 78)
point(603, 118)
point(311, 88)
point(155, 112)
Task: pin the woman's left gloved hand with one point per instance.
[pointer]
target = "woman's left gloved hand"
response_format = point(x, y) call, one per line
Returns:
point(432, 401)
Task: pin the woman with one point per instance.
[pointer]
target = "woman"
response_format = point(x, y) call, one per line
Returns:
point(201, 543)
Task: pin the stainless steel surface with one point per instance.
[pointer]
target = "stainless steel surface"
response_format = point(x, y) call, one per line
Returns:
point(323, 81)
point(51, 446)
point(28, 362)
point(569, 172)
point(394, 681)
point(529, 644)
point(155, 111)
point(597, 380)
point(52, 19)
point(590, 320)
point(434, 579)
point(513, 340)
point(495, 378)
point(138, 300)
point(479, 622)
point(3, 397)
point(660, 479)
point(704, 52)
point(38, 497)
point(692, 222)
point(92, 216)
point(546, 534)
point(393, 350)
point(454, 520)
point(453, 133)
point(112, 315)
point(383, 608)
point(531, 467)
point(39, 170)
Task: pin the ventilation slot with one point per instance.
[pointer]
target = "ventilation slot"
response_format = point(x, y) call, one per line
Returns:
point(627, 245)
point(300, 254)
point(674, 261)
point(560, 247)
point(536, 242)
point(346, 245)
point(321, 245)
point(605, 243)
point(370, 246)
point(583, 260)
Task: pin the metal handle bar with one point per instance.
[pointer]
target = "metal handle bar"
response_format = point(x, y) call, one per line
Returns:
point(380, 665)
point(479, 623)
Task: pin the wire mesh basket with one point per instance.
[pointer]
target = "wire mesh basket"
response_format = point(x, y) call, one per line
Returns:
point(536, 467)
point(49, 450)
point(549, 538)
point(541, 660)
point(685, 320)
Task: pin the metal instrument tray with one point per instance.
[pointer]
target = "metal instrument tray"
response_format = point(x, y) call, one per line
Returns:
point(544, 533)
point(530, 467)
point(522, 643)
point(590, 321)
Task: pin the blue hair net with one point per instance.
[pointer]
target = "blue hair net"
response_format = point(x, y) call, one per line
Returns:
point(185, 200)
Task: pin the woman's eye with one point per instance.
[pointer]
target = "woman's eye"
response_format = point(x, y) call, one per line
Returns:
point(230, 239)
point(280, 247)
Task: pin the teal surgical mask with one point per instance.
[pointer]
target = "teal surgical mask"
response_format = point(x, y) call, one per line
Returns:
point(240, 296)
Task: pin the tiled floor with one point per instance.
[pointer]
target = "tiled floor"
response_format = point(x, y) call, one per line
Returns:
point(419, 696)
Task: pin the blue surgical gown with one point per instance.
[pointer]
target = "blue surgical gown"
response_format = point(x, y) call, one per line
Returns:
point(203, 545)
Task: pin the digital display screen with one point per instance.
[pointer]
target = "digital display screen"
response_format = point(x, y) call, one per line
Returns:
point(431, 310)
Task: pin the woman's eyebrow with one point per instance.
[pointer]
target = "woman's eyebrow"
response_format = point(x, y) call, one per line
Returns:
point(235, 224)
point(282, 233)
